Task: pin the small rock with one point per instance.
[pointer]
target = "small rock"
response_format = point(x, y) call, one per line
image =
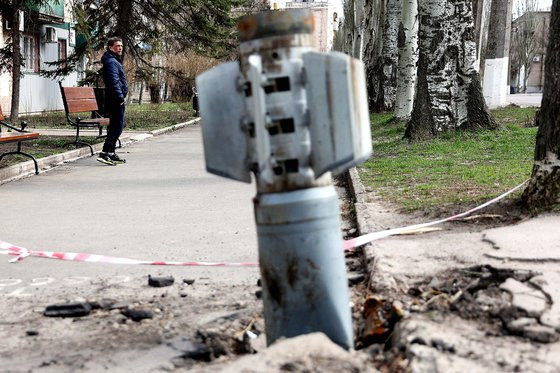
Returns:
point(258, 294)
point(259, 283)
point(68, 310)
point(31, 333)
point(137, 314)
point(188, 281)
point(540, 333)
point(159, 282)
point(516, 326)
point(112, 304)
point(183, 294)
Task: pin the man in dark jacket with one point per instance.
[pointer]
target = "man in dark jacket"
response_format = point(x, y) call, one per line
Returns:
point(116, 89)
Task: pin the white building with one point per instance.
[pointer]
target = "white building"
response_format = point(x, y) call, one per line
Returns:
point(47, 35)
point(325, 15)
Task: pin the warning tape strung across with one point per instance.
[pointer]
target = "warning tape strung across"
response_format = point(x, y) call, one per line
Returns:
point(367, 238)
point(20, 253)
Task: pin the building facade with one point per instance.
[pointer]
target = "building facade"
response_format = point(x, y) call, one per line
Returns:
point(48, 35)
point(535, 79)
point(325, 16)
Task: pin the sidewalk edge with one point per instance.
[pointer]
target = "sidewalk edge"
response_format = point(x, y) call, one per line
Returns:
point(377, 281)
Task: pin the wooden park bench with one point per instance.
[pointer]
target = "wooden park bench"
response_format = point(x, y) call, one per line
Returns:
point(79, 100)
point(16, 135)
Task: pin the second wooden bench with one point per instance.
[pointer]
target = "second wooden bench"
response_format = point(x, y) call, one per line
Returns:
point(79, 100)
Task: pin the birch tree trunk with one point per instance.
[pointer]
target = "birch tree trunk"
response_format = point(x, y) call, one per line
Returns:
point(344, 40)
point(374, 15)
point(358, 40)
point(408, 57)
point(544, 188)
point(449, 93)
point(495, 84)
point(390, 55)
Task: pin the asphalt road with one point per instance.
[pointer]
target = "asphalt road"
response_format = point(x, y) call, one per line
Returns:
point(160, 205)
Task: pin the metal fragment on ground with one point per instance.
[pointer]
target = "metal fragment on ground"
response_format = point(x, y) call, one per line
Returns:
point(159, 282)
point(77, 309)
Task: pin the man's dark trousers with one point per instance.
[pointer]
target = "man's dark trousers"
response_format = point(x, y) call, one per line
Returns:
point(116, 127)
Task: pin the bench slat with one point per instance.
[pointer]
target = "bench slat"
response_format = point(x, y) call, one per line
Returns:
point(77, 106)
point(73, 93)
point(100, 121)
point(17, 136)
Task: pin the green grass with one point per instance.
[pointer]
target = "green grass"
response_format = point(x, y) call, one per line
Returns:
point(42, 147)
point(145, 117)
point(451, 172)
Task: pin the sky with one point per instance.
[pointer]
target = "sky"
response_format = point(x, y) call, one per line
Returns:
point(541, 5)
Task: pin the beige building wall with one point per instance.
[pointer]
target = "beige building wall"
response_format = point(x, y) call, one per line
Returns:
point(535, 80)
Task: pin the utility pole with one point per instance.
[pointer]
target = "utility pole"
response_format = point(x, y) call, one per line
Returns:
point(291, 116)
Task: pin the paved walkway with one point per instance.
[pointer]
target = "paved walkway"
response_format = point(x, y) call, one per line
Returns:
point(525, 99)
point(160, 205)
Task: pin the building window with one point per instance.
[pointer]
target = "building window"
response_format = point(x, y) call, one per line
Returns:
point(31, 52)
point(62, 51)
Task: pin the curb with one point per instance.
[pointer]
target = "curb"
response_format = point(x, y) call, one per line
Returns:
point(377, 280)
point(25, 169)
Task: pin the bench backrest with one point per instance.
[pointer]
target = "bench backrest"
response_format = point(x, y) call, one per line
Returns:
point(78, 99)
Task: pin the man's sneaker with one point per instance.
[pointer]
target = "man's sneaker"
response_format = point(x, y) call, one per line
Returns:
point(105, 158)
point(116, 159)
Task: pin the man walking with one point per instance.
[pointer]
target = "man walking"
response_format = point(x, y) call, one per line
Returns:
point(116, 89)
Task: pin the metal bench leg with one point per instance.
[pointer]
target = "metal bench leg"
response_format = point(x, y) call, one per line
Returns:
point(25, 154)
point(80, 143)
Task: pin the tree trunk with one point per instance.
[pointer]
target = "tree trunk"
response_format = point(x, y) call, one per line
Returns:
point(408, 57)
point(497, 54)
point(478, 16)
point(526, 72)
point(390, 56)
point(141, 93)
point(449, 94)
point(155, 90)
point(16, 65)
point(358, 39)
point(123, 21)
point(374, 12)
point(543, 190)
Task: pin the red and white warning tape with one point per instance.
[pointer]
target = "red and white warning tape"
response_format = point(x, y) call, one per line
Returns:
point(20, 252)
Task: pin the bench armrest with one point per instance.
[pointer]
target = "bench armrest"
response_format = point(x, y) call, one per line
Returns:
point(22, 129)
